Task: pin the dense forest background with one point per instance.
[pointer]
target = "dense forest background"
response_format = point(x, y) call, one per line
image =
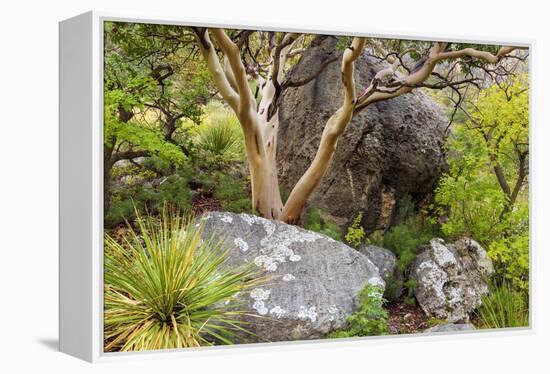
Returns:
point(169, 138)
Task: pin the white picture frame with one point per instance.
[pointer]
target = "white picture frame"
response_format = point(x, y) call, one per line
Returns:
point(81, 187)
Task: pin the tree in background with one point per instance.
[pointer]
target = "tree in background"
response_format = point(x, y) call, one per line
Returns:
point(486, 188)
point(232, 62)
point(152, 82)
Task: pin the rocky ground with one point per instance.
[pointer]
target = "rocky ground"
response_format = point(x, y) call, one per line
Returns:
point(203, 203)
point(406, 317)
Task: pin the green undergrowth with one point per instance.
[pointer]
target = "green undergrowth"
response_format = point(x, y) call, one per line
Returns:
point(316, 220)
point(370, 319)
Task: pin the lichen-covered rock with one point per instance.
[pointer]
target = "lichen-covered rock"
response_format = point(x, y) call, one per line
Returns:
point(451, 278)
point(451, 327)
point(386, 262)
point(313, 281)
point(393, 148)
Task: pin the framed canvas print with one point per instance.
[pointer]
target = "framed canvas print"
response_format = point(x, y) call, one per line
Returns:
point(233, 185)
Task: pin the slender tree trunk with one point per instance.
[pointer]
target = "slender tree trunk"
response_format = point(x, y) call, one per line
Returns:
point(267, 199)
point(335, 126)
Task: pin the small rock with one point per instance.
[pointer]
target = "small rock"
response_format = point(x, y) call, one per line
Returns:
point(450, 278)
point(451, 327)
point(386, 262)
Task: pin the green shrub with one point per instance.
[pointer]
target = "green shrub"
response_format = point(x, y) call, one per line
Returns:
point(405, 239)
point(376, 238)
point(394, 287)
point(231, 191)
point(173, 190)
point(510, 251)
point(370, 319)
point(315, 220)
point(355, 233)
point(503, 307)
point(159, 165)
point(166, 288)
point(487, 160)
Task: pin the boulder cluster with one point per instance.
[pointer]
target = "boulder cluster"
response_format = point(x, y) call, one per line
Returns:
point(312, 282)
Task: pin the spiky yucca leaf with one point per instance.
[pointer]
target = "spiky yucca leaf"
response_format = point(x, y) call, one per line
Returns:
point(221, 135)
point(165, 287)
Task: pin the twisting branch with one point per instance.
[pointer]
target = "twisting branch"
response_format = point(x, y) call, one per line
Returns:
point(213, 64)
point(278, 56)
point(298, 83)
point(474, 53)
point(335, 126)
point(421, 72)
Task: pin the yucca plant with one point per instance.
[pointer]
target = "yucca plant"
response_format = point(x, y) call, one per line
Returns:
point(221, 135)
point(503, 307)
point(166, 287)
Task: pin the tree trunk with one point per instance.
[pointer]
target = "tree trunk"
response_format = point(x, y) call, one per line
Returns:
point(266, 195)
point(260, 126)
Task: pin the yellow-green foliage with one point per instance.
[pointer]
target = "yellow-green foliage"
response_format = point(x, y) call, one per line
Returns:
point(496, 135)
point(355, 233)
point(511, 249)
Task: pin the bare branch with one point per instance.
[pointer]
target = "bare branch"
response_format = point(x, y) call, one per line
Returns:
point(213, 64)
point(291, 83)
point(420, 73)
point(335, 126)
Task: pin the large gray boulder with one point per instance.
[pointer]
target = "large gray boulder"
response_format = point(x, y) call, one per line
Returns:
point(451, 278)
point(313, 281)
point(386, 262)
point(392, 148)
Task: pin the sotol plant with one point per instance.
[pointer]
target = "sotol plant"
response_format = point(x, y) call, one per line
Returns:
point(165, 287)
point(220, 136)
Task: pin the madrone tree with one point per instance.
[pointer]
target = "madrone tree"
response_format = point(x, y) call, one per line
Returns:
point(411, 65)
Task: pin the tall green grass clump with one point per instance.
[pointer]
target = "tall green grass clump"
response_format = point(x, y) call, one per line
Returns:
point(220, 135)
point(503, 307)
point(166, 287)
